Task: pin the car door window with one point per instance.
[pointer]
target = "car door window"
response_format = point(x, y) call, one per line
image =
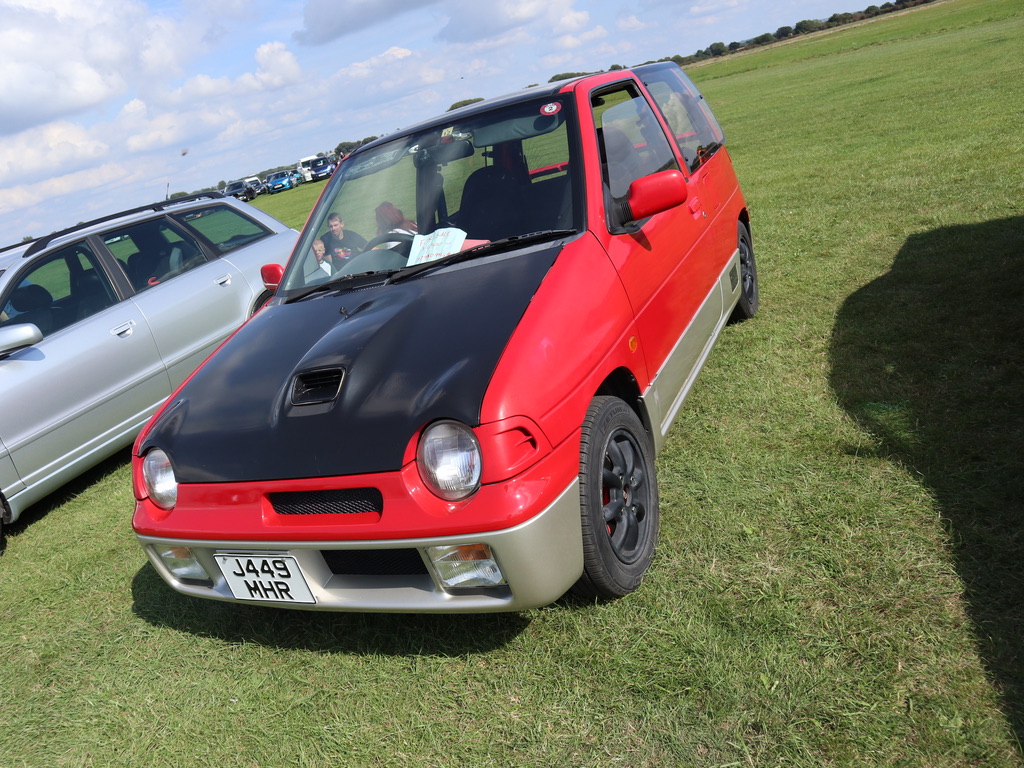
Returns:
point(60, 289)
point(631, 140)
point(153, 252)
point(694, 127)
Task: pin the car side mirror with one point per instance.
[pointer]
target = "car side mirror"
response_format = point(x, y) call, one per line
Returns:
point(15, 337)
point(656, 193)
point(271, 275)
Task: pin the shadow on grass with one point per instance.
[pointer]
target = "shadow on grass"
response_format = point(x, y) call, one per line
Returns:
point(64, 494)
point(323, 631)
point(930, 359)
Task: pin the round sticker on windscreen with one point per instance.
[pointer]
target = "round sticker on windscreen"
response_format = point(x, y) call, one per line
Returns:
point(551, 109)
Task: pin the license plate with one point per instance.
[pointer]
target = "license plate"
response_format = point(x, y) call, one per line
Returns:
point(264, 577)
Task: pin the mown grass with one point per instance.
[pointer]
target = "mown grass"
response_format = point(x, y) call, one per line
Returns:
point(292, 206)
point(839, 580)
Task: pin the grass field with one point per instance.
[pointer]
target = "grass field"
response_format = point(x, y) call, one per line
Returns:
point(840, 580)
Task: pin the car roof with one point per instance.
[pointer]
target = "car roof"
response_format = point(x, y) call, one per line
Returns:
point(524, 94)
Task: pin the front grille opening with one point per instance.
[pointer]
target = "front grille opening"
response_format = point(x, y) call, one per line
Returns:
point(343, 501)
point(374, 562)
point(319, 386)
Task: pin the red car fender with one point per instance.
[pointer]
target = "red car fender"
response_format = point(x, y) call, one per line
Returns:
point(545, 370)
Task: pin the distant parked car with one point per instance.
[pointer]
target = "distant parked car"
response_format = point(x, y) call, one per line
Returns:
point(100, 322)
point(256, 183)
point(278, 181)
point(240, 190)
point(464, 415)
point(322, 168)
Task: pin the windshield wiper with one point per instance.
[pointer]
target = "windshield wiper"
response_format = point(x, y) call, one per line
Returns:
point(485, 249)
point(342, 283)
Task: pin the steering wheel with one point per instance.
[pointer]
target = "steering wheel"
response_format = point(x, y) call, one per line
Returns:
point(384, 258)
point(404, 242)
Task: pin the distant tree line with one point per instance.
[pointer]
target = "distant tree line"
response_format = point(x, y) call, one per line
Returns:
point(804, 27)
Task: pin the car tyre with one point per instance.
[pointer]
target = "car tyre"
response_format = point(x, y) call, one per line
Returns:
point(746, 308)
point(261, 302)
point(618, 500)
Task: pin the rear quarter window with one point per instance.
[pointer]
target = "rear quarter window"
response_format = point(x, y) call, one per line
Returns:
point(225, 228)
point(694, 127)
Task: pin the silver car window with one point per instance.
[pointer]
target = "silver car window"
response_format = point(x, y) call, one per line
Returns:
point(58, 290)
point(153, 252)
point(225, 228)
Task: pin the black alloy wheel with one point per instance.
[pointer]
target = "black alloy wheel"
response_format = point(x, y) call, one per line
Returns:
point(619, 500)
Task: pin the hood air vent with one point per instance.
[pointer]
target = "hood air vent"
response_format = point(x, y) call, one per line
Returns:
point(319, 386)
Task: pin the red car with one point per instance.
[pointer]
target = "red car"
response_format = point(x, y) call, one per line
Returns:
point(463, 414)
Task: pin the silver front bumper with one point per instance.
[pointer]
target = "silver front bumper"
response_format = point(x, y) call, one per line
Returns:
point(540, 560)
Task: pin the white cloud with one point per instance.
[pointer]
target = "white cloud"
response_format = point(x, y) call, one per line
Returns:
point(630, 24)
point(50, 149)
point(373, 67)
point(572, 21)
point(26, 195)
point(327, 20)
point(715, 7)
point(586, 38)
point(82, 53)
point(277, 68)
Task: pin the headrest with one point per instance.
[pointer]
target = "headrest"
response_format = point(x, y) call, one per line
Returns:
point(30, 297)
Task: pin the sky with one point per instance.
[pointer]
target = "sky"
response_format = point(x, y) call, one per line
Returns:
point(110, 104)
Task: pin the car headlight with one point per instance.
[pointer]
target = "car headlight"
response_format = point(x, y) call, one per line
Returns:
point(158, 475)
point(448, 457)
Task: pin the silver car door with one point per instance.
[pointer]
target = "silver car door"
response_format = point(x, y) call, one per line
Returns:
point(191, 302)
point(86, 389)
point(10, 482)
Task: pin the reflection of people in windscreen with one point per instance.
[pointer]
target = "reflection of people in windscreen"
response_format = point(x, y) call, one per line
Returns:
point(320, 251)
point(322, 265)
point(390, 219)
point(341, 243)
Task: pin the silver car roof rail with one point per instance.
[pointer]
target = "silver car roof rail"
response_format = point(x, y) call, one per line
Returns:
point(38, 243)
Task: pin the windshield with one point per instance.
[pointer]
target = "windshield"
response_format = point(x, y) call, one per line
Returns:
point(453, 186)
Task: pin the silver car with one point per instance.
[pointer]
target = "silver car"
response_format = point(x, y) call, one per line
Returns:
point(101, 322)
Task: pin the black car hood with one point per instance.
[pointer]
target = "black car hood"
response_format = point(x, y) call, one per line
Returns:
point(411, 352)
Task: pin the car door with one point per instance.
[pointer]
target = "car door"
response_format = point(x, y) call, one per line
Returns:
point(668, 263)
point(191, 301)
point(88, 387)
point(701, 143)
point(10, 481)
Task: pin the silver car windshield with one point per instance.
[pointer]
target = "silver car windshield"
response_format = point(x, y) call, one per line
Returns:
point(459, 184)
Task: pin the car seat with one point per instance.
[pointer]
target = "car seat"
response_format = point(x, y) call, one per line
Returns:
point(492, 204)
point(91, 295)
point(34, 304)
point(146, 268)
point(622, 161)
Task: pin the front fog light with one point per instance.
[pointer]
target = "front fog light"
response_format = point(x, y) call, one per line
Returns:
point(182, 564)
point(466, 565)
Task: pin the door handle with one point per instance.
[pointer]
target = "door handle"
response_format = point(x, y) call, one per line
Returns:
point(124, 330)
point(224, 279)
